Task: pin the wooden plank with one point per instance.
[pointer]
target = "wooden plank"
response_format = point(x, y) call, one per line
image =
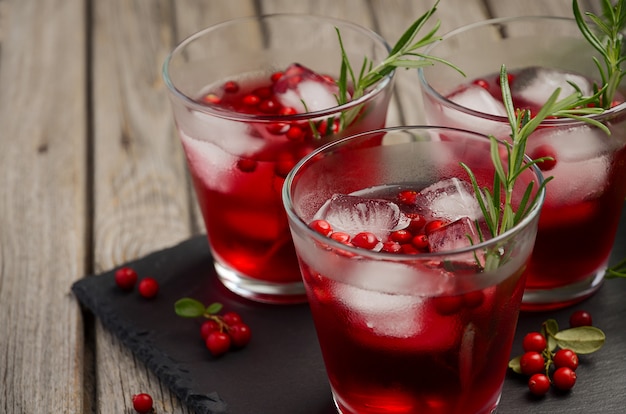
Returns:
point(143, 200)
point(43, 204)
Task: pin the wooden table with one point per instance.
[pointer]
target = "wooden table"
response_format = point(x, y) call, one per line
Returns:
point(92, 174)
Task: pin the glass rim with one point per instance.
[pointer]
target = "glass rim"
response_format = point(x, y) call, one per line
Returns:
point(608, 113)
point(401, 257)
point(238, 116)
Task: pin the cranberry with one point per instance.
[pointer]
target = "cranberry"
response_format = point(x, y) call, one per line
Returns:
point(365, 240)
point(434, 225)
point(277, 128)
point(417, 222)
point(218, 343)
point(321, 226)
point(473, 299)
point(263, 92)
point(392, 247)
point(341, 237)
point(407, 197)
point(534, 341)
point(401, 236)
point(125, 278)
point(250, 100)
point(231, 318)
point(408, 249)
point(211, 98)
point(531, 363)
point(544, 151)
point(148, 287)
point(287, 110)
point(580, 318)
point(295, 133)
point(207, 327)
point(566, 358)
point(482, 83)
point(276, 76)
point(539, 384)
point(231, 87)
point(142, 403)
point(246, 165)
point(564, 378)
point(420, 241)
point(239, 334)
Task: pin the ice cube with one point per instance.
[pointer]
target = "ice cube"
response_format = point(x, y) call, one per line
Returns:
point(456, 235)
point(305, 90)
point(449, 199)
point(209, 163)
point(535, 84)
point(479, 99)
point(353, 214)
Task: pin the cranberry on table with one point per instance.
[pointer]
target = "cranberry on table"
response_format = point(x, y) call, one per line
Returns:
point(218, 343)
point(580, 318)
point(564, 378)
point(539, 384)
point(532, 363)
point(148, 287)
point(534, 341)
point(239, 334)
point(125, 278)
point(142, 403)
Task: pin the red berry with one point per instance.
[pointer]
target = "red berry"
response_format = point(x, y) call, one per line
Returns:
point(295, 133)
point(564, 378)
point(231, 87)
point(580, 318)
point(239, 334)
point(448, 305)
point(420, 241)
point(473, 299)
point(434, 225)
point(408, 248)
point(566, 358)
point(365, 240)
point(539, 384)
point(231, 318)
point(218, 343)
point(246, 164)
point(407, 197)
point(276, 76)
point(207, 327)
point(142, 403)
point(321, 226)
point(534, 341)
point(482, 83)
point(125, 278)
point(340, 236)
point(544, 151)
point(148, 287)
point(531, 363)
point(401, 236)
point(417, 222)
point(392, 247)
point(250, 100)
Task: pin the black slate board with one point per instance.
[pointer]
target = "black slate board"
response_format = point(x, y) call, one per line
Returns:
point(281, 370)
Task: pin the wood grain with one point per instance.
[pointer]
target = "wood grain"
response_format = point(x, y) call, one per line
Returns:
point(43, 114)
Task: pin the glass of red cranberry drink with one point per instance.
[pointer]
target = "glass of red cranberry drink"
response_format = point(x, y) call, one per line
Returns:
point(415, 312)
point(584, 200)
point(250, 97)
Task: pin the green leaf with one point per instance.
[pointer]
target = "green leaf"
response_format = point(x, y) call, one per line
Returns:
point(550, 328)
point(189, 308)
point(514, 364)
point(582, 340)
point(213, 308)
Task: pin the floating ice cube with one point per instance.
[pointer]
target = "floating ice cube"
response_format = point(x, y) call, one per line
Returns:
point(209, 162)
point(449, 199)
point(300, 86)
point(456, 235)
point(353, 214)
point(535, 84)
point(479, 99)
point(234, 137)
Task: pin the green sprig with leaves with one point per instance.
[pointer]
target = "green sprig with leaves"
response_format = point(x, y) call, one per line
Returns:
point(404, 54)
point(607, 38)
point(497, 203)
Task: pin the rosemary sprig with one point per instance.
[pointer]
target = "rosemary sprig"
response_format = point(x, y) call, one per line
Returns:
point(607, 40)
point(404, 54)
point(497, 203)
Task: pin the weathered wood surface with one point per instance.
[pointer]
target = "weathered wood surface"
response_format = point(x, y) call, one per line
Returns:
point(92, 175)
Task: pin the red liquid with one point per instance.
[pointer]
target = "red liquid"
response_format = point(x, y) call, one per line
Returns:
point(401, 353)
point(583, 204)
point(240, 195)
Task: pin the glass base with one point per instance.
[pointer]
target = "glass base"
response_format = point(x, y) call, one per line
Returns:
point(260, 290)
point(535, 300)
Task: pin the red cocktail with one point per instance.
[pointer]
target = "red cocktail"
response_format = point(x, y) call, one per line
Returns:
point(246, 113)
point(415, 311)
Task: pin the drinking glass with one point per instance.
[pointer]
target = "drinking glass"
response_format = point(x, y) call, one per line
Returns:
point(250, 97)
point(405, 327)
point(584, 200)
